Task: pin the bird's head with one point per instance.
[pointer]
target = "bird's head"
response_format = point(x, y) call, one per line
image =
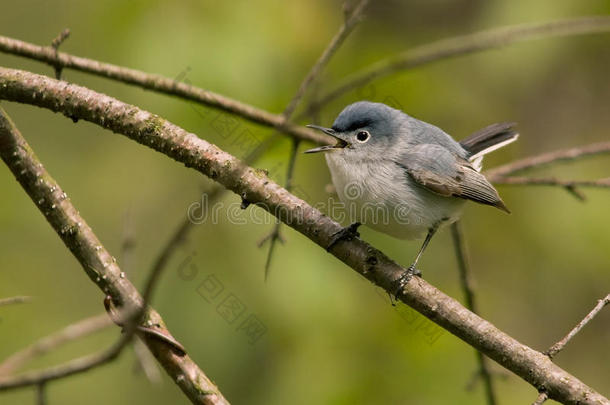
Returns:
point(363, 130)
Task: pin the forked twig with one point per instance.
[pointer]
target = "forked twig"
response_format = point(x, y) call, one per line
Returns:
point(70, 333)
point(157, 83)
point(463, 45)
point(557, 347)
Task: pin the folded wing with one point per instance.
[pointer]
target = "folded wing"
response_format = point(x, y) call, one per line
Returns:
point(442, 172)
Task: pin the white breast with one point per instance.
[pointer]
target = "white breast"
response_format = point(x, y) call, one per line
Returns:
point(382, 196)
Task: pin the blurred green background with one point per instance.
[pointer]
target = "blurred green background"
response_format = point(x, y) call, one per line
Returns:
point(331, 337)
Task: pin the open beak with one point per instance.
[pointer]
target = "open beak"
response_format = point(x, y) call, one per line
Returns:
point(328, 131)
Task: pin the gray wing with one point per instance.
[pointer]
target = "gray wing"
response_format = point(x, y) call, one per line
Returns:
point(441, 172)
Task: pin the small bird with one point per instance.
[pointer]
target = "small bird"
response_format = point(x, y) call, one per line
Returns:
point(405, 177)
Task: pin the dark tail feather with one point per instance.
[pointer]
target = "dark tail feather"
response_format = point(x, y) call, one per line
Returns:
point(489, 139)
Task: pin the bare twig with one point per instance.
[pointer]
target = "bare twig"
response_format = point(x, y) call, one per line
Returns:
point(468, 289)
point(103, 270)
point(128, 243)
point(571, 186)
point(59, 39)
point(67, 369)
point(542, 397)
point(255, 186)
point(275, 235)
point(158, 83)
point(181, 233)
point(544, 159)
point(504, 174)
point(41, 398)
point(352, 18)
point(146, 361)
point(463, 45)
point(557, 347)
point(70, 333)
point(20, 299)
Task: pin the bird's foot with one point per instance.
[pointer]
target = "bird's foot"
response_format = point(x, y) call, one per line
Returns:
point(347, 233)
point(404, 278)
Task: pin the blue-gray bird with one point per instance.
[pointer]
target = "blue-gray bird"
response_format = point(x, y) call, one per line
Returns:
point(404, 177)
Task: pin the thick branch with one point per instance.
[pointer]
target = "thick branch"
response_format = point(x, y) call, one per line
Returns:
point(102, 269)
point(161, 84)
point(254, 185)
point(463, 45)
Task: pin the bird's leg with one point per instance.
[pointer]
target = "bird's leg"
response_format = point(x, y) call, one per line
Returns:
point(347, 233)
point(411, 270)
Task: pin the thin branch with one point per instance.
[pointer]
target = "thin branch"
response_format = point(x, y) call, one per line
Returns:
point(68, 334)
point(551, 181)
point(544, 159)
point(99, 265)
point(41, 398)
point(59, 39)
point(571, 186)
point(275, 235)
point(144, 359)
point(67, 369)
point(255, 186)
point(146, 362)
point(352, 18)
point(542, 397)
point(469, 295)
point(557, 347)
point(128, 243)
point(463, 45)
point(160, 84)
point(20, 299)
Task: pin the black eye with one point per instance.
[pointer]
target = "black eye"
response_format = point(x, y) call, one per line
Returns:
point(362, 136)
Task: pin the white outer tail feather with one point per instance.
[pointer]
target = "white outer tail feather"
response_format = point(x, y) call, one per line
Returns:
point(477, 160)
